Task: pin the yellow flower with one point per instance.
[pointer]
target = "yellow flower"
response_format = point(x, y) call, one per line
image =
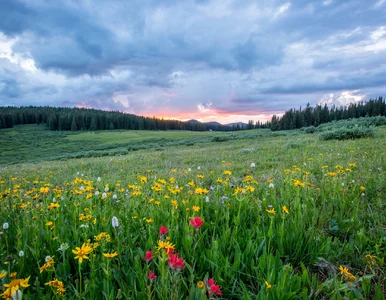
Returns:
point(362, 188)
point(58, 285)
point(3, 274)
point(200, 284)
point(285, 209)
point(268, 285)
point(348, 276)
point(165, 245)
point(14, 286)
point(149, 220)
point(103, 236)
point(227, 172)
point(53, 205)
point(49, 223)
point(12, 275)
point(271, 211)
point(110, 255)
point(196, 208)
point(81, 253)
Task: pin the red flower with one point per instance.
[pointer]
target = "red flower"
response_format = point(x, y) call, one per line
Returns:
point(214, 290)
point(152, 275)
point(176, 262)
point(197, 222)
point(148, 256)
point(210, 282)
point(163, 230)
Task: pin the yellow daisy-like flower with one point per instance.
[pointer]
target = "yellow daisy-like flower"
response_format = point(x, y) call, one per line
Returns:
point(165, 245)
point(227, 172)
point(49, 223)
point(53, 205)
point(149, 220)
point(81, 253)
point(285, 209)
point(200, 284)
point(14, 286)
point(271, 211)
point(196, 208)
point(110, 255)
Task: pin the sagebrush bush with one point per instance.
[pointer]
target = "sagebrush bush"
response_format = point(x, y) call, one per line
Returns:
point(347, 134)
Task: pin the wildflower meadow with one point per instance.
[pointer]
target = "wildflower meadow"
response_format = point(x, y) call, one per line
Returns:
point(285, 217)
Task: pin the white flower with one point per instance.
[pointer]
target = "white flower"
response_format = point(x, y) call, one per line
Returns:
point(82, 175)
point(189, 170)
point(115, 196)
point(77, 173)
point(81, 188)
point(5, 225)
point(47, 258)
point(18, 295)
point(99, 179)
point(207, 199)
point(106, 189)
point(253, 165)
point(63, 247)
point(271, 185)
point(363, 194)
point(21, 253)
point(53, 199)
point(198, 168)
point(115, 222)
point(96, 193)
point(104, 195)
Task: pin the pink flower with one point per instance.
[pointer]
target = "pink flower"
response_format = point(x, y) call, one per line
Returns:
point(210, 282)
point(214, 289)
point(196, 222)
point(176, 262)
point(163, 230)
point(148, 256)
point(152, 275)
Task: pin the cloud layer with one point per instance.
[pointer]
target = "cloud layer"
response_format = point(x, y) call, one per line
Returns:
point(225, 60)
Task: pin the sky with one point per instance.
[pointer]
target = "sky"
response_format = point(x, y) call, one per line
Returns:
point(220, 60)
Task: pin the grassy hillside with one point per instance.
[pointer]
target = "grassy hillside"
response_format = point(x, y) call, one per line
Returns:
point(306, 221)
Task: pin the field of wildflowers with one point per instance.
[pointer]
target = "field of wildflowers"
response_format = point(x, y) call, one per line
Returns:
point(270, 218)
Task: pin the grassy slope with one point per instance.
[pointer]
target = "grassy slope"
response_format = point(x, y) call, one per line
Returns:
point(33, 143)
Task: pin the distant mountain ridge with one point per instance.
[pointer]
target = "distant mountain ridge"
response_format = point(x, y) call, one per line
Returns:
point(213, 123)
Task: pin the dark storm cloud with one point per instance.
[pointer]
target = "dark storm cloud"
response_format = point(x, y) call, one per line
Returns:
point(264, 52)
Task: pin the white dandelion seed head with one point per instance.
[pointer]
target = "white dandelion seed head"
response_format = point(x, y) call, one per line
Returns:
point(47, 258)
point(115, 222)
point(106, 189)
point(198, 168)
point(115, 196)
point(253, 165)
point(104, 195)
point(17, 295)
point(21, 253)
point(207, 199)
point(96, 193)
point(53, 199)
point(363, 194)
point(99, 179)
point(271, 185)
point(5, 225)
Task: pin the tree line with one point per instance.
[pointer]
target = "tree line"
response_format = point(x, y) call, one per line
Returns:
point(75, 119)
point(314, 116)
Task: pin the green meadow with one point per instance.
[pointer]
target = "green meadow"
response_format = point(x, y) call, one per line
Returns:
point(191, 215)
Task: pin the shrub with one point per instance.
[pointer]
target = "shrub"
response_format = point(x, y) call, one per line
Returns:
point(347, 134)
